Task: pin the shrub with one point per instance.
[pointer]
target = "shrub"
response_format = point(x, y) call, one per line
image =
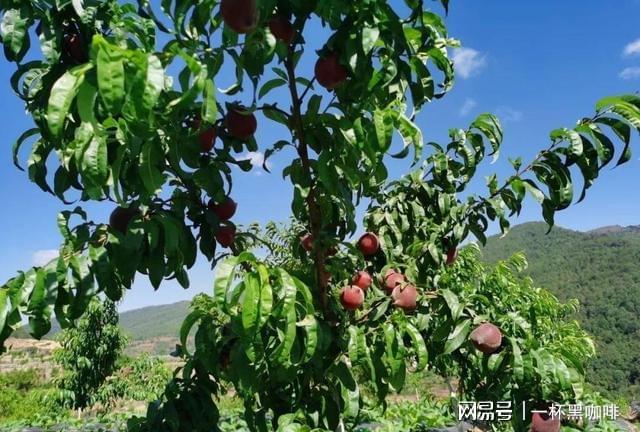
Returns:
point(138, 379)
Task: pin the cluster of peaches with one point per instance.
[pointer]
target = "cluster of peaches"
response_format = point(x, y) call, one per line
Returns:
point(403, 293)
point(224, 211)
point(486, 337)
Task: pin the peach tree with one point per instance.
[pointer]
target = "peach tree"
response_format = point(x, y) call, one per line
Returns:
point(88, 354)
point(127, 112)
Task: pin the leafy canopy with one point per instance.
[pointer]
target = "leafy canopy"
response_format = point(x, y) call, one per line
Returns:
point(88, 353)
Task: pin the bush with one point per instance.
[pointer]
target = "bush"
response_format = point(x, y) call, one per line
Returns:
point(138, 379)
point(89, 353)
point(20, 379)
point(409, 415)
point(544, 350)
point(23, 395)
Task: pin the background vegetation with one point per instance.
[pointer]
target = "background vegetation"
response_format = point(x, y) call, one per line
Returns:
point(600, 270)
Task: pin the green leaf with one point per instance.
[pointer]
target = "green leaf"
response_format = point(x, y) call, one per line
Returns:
point(62, 95)
point(86, 101)
point(5, 307)
point(16, 146)
point(23, 287)
point(288, 339)
point(576, 362)
point(357, 346)
point(209, 106)
point(83, 283)
point(226, 272)
point(394, 354)
point(349, 390)
point(411, 135)
point(575, 142)
point(186, 327)
point(458, 337)
point(209, 179)
point(111, 75)
point(495, 361)
point(257, 304)
point(151, 166)
point(311, 328)
point(14, 31)
point(533, 189)
point(443, 63)
point(419, 347)
point(624, 109)
point(453, 303)
point(383, 124)
point(517, 363)
point(37, 164)
point(490, 127)
point(41, 302)
point(370, 36)
point(155, 81)
point(287, 291)
point(95, 166)
point(270, 85)
point(623, 131)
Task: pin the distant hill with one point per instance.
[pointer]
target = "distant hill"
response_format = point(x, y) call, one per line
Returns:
point(154, 321)
point(141, 324)
point(601, 269)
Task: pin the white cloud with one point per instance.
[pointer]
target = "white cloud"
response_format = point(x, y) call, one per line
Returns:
point(42, 257)
point(632, 48)
point(507, 114)
point(468, 61)
point(257, 159)
point(630, 73)
point(467, 106)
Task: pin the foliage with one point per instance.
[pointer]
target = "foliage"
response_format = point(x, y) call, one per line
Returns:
point(20, 379)
point(88, 353)
point(116, 125)
point(543, 353)
point(23, 394)
point(237, 341)
point(139, 379)
point(28, 401)
point(284, 249)
point(67, 423)
point(139, 324)
point(401, 416)
point(599, 270)
point(407, 415)
point(78, 106)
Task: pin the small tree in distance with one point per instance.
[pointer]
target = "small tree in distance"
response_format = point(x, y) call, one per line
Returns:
point(88, 353)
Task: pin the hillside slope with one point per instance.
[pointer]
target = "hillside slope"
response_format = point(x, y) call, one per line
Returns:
point(154, 321)
point(600, 269)
point(141, 324)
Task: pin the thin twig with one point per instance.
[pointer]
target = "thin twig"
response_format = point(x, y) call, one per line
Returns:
point(306, 90)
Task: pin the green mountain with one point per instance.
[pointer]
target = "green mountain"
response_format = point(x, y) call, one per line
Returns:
point(600, 269)
point(141, 324)
point(154, 321)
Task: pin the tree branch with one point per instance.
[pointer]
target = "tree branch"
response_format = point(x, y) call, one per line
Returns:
point(303, 152)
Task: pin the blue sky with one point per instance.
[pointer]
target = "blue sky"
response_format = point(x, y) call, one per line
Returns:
point(538, 65)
